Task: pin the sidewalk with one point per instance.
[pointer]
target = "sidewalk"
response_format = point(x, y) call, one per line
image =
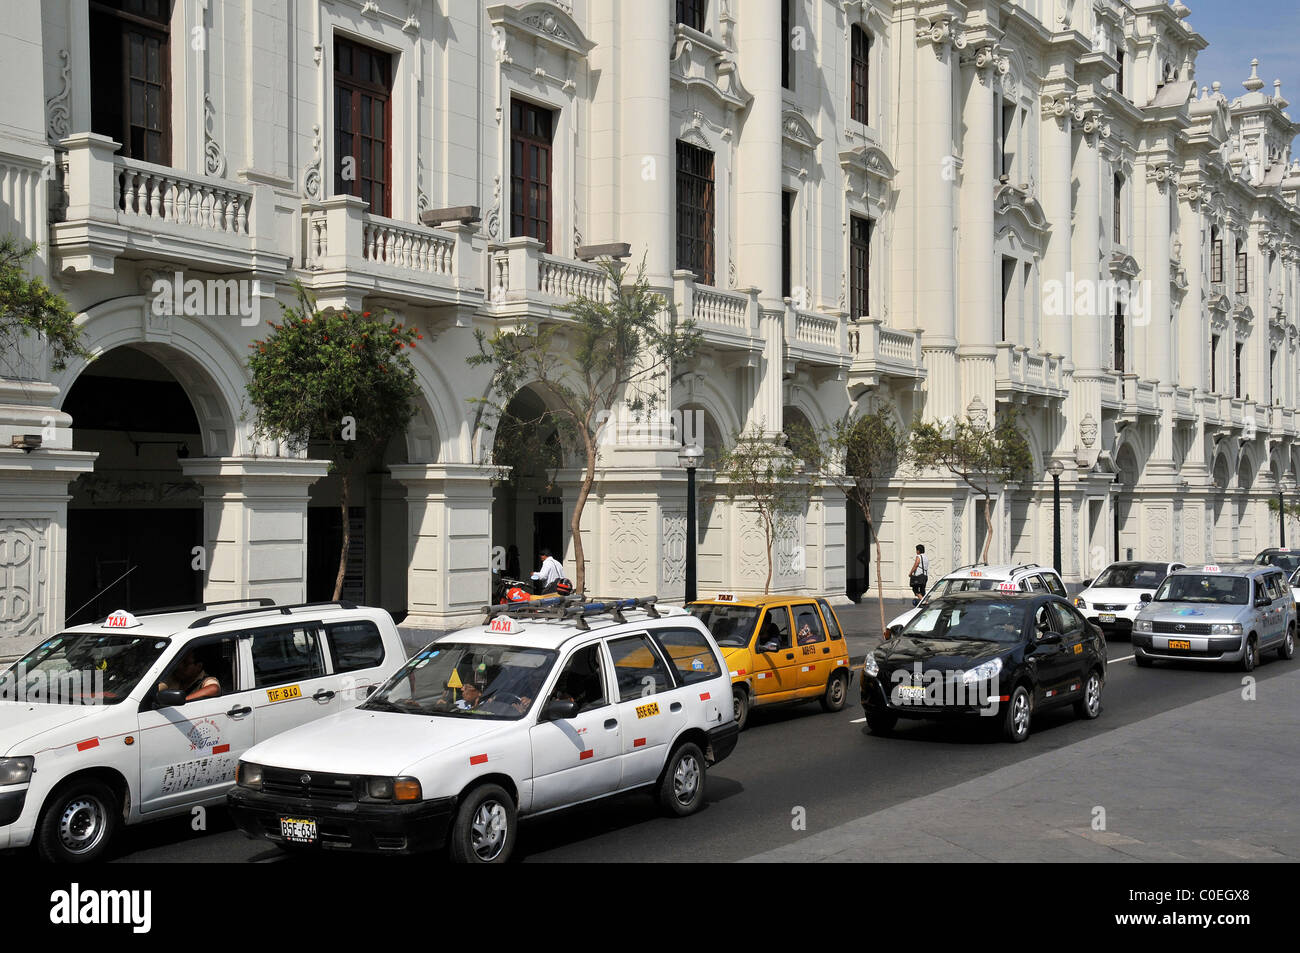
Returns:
point(1164, 798)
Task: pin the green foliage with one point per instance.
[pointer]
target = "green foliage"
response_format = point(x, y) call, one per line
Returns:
point(28, 306)
point(766, 477)
point(604, 353)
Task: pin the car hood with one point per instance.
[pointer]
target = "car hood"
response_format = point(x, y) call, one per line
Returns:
point(1198, 612)
point(22, 722)
point(902, 620)
point(946, 654)
point(381, 743)
point(1128, 597)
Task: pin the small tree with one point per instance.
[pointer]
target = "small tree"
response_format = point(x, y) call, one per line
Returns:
point(859, 455)
point(611, 350)
point(770, 479)
point(337, 377)
point(984, 458)
point(28, 306)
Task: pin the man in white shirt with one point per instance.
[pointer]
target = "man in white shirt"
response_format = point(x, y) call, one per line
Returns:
point(550, 573)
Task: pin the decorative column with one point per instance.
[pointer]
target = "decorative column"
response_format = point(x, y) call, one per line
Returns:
point(1059, 113)
point(1193, 327)
point(985, 62)
point(1087, 323)
point(649, 164)
point(449, 542)
point(937, 37)
point(1161, 179)
point(255, 525)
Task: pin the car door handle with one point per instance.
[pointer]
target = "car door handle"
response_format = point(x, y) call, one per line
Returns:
point(611, 723)
point(675, 706)
point(239, 711)
point(322, 696)
point(789, 655)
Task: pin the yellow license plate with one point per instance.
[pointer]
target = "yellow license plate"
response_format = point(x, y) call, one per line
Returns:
point(283, 694)
point(1180, 644)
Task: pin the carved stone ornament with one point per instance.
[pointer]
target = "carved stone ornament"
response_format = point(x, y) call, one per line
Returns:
point(493, 219)
point(214, 159)
point(941, 29)
point(1088, 430)
point(311, 184)
point(977, 413)
point(57, 107)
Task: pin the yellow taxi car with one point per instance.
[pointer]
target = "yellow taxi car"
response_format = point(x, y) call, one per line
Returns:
point(778, 649)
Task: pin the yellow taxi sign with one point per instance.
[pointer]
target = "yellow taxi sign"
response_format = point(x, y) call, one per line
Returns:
point(725, 597)
point(121, 619)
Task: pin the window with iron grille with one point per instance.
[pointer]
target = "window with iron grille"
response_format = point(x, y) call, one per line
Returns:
point(1119, 77)
point(363, 159)
point(692, 13)
point(531, 134)
point(1216, 256)
point(1118, 338)
point(1241, 270)
point(787, 52)
point(1214, 364)
point(860, 56)
point(1118, 203)
point(860, 266)
point(1236, 371)
point(787, 243)
point(130, 65)
point(695, 211)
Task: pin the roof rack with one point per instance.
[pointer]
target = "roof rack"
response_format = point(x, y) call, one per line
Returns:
point(573, 607)
point(284, 610)
point(263, 601)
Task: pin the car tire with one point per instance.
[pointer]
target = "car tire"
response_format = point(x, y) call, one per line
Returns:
point(484, 829)
point(740, 707)
point(1141, 661)
point(837, 692)
point(1015, 720)
point(1089, 706)
point(1250, 656)
point(78, 823)
point(681, 786)
point(882, 723)
point(1287, 649)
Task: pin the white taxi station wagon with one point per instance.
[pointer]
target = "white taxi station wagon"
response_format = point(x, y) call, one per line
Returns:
point(543, 706)
point(140, 717)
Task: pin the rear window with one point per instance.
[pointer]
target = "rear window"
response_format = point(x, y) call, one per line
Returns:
point(355, 646)
point(286, 655)
point(832, 622)
point(690, 655)
point(637, 668)
point(1054, 585)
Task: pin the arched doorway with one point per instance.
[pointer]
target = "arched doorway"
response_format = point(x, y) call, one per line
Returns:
point(1224, 543)
point(1128, 543)
point(1245, 511)
point(528, 501)
point(135, 524)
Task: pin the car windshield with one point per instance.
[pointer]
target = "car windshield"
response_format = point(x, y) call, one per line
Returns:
point(1131, 576)
point(981, 621)
point(1287, 561)
point(1205, 587)
point(946, 587)
point(81, 668)
point(731, 626)
point(466, 680)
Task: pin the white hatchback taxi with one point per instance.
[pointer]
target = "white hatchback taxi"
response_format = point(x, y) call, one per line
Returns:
point(547, 705)
point(140, 717)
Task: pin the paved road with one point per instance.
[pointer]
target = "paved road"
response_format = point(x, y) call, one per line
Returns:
point(829, 766)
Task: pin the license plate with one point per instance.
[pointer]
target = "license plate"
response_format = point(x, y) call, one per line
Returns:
point(298, 830)
point(1180, 644)
point(1107, 617)
point(283, 694)
point(911, 691)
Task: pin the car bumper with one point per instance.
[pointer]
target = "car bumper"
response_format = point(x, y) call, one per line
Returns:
point(1121, 626)
point(876, 700)
point(364, 828)
point(722, 741)
point(1228, 648)
point(11, 806)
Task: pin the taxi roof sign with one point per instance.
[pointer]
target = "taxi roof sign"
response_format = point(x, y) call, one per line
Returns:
point(504, 625)
point(725, 597)
point(121, 619)
point(1210, 569)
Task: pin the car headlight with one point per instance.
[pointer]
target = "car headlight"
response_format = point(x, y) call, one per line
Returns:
point(249, 775)
point(982, 672)
point(16, 770)
point(870, 665)
point(1225, 628)
point(1142, 625)
point(1079, 603)
point(392, 789)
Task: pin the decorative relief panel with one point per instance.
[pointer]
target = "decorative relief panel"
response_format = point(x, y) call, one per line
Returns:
point(674, 547)
point(628, 550)
point(1159, 533)
point(24, 546)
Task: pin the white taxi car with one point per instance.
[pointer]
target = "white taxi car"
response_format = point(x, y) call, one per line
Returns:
point(535, 710)
point(1113, 600)
point(140, 717)
point(1026, 577)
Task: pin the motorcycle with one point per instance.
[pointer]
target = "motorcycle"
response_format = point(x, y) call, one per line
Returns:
point(507, 591)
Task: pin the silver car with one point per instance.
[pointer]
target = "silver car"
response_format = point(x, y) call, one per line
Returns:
point(1217, 614)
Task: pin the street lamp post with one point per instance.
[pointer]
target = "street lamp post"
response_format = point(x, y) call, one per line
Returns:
point(1056, 470)
point(1281, 516)
point(689, 457)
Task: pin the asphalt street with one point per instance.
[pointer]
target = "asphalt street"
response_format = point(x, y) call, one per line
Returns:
point(806, 785)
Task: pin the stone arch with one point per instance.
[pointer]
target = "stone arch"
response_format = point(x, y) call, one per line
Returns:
point(701, 391)
point(212, 376)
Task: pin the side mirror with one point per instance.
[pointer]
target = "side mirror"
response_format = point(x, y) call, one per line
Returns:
point(1263, 601)
point(1048, 638)
point(1087, 583)
point(561, 709)
point(769, 646)
point(371, 689)
point(169, 698)
point(1145, 597)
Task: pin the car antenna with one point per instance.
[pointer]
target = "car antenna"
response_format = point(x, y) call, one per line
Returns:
point(68, 619)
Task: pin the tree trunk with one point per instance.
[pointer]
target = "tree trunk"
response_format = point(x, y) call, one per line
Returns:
point(880, 583)
point(767, 535)
point(988, 527)
point(347, 534)
point(575, 522)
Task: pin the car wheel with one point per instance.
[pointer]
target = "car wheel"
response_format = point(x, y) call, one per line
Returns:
point(881, 724)
point(1015, 721)
point(484, 830)
point(1250, 657)
point(78, 823)
point(740, 707)
point(681, 787)
point(1089, 706)
point(837, 690)
point(1287, 649)
point(1141, 661)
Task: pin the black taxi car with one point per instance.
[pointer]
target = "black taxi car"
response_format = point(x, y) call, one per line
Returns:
point(1001, 655)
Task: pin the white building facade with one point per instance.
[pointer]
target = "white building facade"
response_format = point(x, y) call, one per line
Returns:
point(945, 208)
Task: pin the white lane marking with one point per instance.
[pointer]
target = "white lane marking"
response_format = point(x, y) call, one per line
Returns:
point(1124, 659)
point(857, 721)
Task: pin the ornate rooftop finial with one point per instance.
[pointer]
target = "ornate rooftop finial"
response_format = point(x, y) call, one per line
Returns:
point(1254, 82)
point(1278, 101)
point(1181, 10)
point(1216, 86)
point(1205, 91)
